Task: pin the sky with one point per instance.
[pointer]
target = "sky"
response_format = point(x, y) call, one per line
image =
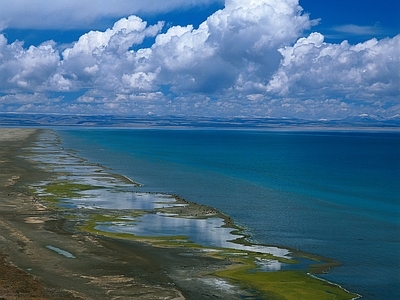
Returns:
point(306, 59)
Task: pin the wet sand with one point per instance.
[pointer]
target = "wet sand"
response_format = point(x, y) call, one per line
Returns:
point(101, 267)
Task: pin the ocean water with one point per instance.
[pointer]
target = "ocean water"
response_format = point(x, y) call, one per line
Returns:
point(334, 194)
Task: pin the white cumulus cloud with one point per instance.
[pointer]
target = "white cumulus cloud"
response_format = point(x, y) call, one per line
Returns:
point(362, 72)
point(240, 41)
point(104, 60)
point(249, 58)
point(26, 69)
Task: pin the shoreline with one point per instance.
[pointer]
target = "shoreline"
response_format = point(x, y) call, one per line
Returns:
point(173, 262)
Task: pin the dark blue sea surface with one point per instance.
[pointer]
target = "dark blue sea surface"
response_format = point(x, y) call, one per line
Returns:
point(334, 194)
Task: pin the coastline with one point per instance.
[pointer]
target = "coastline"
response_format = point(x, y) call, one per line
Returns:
point(104, 265)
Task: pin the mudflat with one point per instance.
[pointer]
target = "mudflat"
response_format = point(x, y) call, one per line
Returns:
point(35, 241)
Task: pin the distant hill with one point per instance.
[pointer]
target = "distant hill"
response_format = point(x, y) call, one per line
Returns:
point(51, 120)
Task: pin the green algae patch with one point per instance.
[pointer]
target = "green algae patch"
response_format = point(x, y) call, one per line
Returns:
point(54, 191)
point(288, 285)
point(283, 284)
point(67, 189)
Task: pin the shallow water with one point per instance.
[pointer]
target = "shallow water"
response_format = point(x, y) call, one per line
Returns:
point(60, 251)
point(92, 187)
point(207, 232)
point(333, 194)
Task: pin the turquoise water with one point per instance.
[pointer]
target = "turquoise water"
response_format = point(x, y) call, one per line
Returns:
point(330, 193)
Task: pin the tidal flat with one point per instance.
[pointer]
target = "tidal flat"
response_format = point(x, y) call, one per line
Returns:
point(82, 232)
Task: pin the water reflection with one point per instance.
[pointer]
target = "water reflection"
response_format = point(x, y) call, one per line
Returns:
point(111, 199)
point(207, 232)
point(202, 231)
point(113, 193)
point(268, 265)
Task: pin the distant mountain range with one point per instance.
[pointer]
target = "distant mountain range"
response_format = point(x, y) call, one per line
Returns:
point(363, 121)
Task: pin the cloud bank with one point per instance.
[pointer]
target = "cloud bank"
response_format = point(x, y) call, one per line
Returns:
point(249, 58)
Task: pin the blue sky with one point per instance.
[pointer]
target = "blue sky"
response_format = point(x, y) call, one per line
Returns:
point(267, 58)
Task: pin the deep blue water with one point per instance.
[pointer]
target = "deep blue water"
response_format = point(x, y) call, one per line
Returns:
point(330, 193)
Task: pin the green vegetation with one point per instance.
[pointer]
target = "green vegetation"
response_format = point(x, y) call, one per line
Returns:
point(288, 285)
point(54, 191)
point(273, 285)
point(67, 189)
